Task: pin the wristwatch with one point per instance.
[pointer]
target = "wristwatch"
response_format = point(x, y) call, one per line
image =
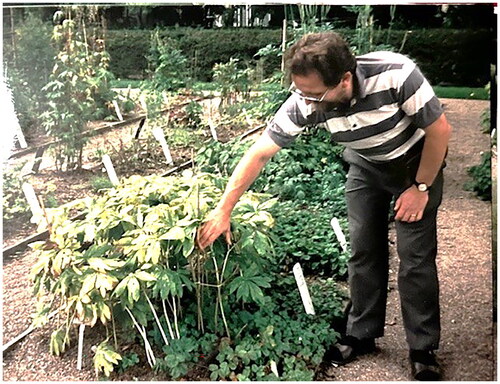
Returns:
point(422, 187)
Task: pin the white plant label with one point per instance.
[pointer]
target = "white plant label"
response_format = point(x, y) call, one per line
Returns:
point(110, 170)
point(338, 232)
point(144, 105)
point(212, 129)
point(304, 291)
point(247, 117)
point(274, 368)
point(117, 110)
point(30, 195)
point(79, 360)
point(158, 134)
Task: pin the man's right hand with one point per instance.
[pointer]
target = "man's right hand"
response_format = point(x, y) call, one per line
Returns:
point(218, 223)
point(219, 220)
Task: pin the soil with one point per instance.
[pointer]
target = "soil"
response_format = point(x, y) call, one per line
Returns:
point(468, 345)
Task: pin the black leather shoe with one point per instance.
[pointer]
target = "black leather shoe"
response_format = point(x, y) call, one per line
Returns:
point(347, 349)
point(424, 366)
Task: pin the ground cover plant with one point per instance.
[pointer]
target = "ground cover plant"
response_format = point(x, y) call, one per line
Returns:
point(131, 267)
point(308, 180)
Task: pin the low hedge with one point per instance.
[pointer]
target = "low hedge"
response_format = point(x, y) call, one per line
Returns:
point(446, 56)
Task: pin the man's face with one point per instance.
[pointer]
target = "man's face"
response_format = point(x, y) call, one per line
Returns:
point(327, 98)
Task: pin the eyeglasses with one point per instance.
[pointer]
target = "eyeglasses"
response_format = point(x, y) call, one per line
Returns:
point(298, 92)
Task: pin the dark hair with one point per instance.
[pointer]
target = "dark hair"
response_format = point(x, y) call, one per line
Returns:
point(327, 53)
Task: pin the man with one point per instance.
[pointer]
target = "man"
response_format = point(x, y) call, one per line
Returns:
point(382, 109)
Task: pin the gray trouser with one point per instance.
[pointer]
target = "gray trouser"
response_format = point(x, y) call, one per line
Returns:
point(369, 191)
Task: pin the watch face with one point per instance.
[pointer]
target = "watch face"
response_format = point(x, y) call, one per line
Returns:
point(422, 187)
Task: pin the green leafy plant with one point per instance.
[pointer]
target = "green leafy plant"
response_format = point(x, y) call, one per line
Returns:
point(194, 112)
point(77, 90)
point(308, 178)
point(14, 203)
point(481, 177)
point(232, 81)
point(100, 182)
point(28, 66)
point(105, 359)
point(167, 72)
point(132, 263)
point(128, 361)
point(304, 234)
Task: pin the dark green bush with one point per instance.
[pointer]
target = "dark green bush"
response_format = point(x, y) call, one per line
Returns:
point(28, 73)
point(481, 177)
point(460, 57)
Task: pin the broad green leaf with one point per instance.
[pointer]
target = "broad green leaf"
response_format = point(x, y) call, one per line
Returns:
point(134, 289)
point(188, 246)
point(153, 252)
point(144, 276)
point(105, 358)
point(105, 282)
point(175, 233)
point(122, 286)
point(89, 284)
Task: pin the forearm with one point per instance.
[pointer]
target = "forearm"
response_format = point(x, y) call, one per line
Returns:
point(245, 173)
point(434, 150)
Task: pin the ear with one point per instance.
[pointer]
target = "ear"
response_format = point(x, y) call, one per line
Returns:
point(346, 79)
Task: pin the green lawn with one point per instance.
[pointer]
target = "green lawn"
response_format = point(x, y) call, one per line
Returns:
point(462, 93)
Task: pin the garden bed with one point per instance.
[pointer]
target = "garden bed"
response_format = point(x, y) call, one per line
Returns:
point(465, 271)
point(130, 156)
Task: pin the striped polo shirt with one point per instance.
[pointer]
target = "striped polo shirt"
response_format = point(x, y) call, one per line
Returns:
point(392, 104)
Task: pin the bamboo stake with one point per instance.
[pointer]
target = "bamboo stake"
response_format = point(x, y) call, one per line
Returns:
point(283, 48)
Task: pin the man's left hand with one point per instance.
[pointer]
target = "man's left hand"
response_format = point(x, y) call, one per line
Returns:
point(410, 205)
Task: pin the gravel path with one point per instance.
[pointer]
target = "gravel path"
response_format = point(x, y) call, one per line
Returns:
point(468, 348)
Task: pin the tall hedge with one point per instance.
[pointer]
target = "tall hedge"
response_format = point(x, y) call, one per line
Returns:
point(458, 57)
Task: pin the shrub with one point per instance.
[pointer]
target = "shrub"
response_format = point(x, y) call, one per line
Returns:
point(481, 177)
point(460, 57)
point(29, 72)
point(133, 258)
point(14, 203)
point(167, 72)
point(78, 91)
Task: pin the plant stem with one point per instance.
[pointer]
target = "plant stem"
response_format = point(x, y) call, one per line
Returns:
point(147, 346)
point(219, 297)
point(168, 319)
point(157, 319)
point(175, 318)
point(114, 326)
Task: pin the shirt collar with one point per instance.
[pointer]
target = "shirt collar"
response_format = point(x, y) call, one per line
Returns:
point(359, 83)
